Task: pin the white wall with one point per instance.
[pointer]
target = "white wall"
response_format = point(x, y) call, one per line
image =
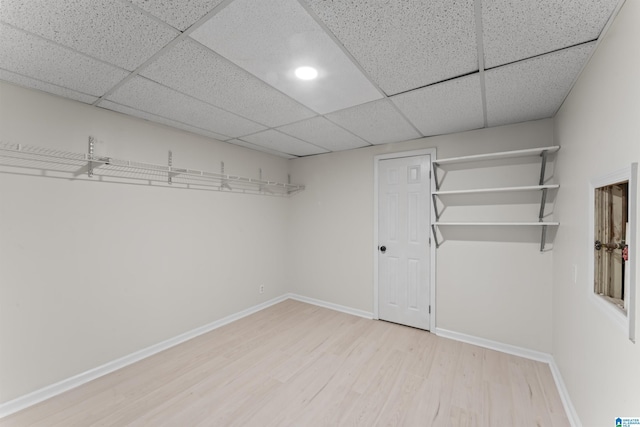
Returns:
point(91, 271)
point(598, 128)
point(497, 290)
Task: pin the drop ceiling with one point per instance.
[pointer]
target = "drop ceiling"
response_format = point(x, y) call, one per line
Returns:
point(388, 70)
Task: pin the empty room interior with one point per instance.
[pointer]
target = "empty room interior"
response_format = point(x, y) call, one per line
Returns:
point(311, 212)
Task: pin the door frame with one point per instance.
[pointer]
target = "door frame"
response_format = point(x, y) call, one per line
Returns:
point(432, 252)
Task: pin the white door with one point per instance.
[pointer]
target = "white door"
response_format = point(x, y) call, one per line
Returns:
point(404, 209)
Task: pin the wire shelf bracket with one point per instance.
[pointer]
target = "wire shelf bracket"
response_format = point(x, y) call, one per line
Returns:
point(76, 165)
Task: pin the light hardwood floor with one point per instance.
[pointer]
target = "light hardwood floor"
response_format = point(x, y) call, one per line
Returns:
point(295, 364)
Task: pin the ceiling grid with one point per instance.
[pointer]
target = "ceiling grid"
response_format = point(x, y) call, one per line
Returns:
point(338, 43)
point(162, 51)
point(480, 41)
point(387, 71)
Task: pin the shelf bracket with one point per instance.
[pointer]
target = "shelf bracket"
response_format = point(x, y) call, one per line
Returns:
point(434, 167)
point(435, 236)
point(543, 166)
point(543, 238)
point(170, 175)
point(262, 187)
point(90, 157)
point(543, 199)
point(223, 183)
point(435, 207)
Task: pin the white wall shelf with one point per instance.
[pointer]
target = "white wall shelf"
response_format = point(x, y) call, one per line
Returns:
point(536, 224)
point(498, 190)
point(543, 152)
point(499, 155)
point(79, 164)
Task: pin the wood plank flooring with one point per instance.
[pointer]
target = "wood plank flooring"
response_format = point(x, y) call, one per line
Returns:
point(296, 364)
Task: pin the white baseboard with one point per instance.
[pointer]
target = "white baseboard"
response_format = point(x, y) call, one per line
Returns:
point(527, 354)
point(495, 345)
point(52, 390)
point(564, 395)
point(332, 306)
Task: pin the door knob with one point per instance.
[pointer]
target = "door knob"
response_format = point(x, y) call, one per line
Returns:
point(383, 249)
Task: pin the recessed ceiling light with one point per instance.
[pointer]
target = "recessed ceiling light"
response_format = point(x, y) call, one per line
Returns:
point(306, 73)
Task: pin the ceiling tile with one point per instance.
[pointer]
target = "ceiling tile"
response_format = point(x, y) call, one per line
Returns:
point(405, 44)
point(179, 14)
point(259, 148)
point(195, 70)
point(272, 38)
point(142, 94)
point(278, 141)
point(514, 30)
point(321, 132)
point(153, 118)
point(105, 29)
point(534, 88)
point(377, 122)
point(45, 87)
point(452, 106)
point(31, 56)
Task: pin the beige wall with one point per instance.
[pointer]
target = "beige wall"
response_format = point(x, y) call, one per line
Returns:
point(598, 128)
point(498, 290)
point(93, 271)
point(90, 271)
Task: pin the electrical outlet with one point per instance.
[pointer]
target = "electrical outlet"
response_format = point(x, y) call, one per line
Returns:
point(261, 289)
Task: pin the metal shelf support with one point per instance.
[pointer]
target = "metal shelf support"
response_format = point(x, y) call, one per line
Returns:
point(435, 236)
point(224, 183)
point(75, 165)
point(543, 238)
point(90, 157)
point(435, 206)
point(543, 200)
